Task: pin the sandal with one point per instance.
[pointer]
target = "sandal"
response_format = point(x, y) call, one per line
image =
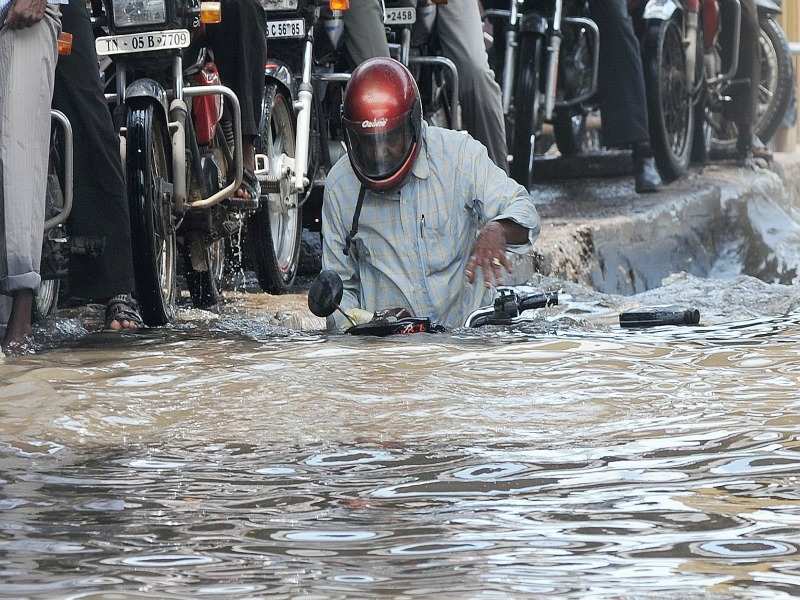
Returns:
point(123, 307)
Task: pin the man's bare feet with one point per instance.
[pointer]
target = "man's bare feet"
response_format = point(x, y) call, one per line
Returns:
point(18, 338)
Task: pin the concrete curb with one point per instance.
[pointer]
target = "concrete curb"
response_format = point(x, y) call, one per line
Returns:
point(602, 234)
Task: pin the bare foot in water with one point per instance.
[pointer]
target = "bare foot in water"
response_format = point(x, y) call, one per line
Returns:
point(18, 338)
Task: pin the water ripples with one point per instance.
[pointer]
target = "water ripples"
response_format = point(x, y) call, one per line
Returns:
point(560, 458)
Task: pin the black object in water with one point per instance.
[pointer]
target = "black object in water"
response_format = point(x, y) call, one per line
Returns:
point(659, 315)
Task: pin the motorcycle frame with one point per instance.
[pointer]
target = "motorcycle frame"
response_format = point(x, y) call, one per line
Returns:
point(663, 10)
point(62, 120)
point(517, 25)
point(175, 116)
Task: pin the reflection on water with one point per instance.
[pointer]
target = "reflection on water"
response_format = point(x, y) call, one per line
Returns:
point(233, 457)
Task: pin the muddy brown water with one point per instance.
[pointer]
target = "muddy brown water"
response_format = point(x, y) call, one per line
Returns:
point(234, 457)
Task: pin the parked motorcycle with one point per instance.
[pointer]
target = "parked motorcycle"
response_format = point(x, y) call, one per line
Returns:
point(689, 76)
point(411, 32)
point(301, 134)
point(181, 147)
point(547, 66)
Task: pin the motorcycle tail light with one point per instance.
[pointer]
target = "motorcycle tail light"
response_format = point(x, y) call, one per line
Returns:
point(440, 1)
point(210, 12)
point(339, 4)
point(64, 43)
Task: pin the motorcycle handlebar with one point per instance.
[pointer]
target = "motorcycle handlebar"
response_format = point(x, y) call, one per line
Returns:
point(538, 301)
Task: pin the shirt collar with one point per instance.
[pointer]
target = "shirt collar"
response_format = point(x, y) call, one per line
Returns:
point(421, 169)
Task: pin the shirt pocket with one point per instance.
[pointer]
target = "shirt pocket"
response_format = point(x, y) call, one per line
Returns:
point(448, 237)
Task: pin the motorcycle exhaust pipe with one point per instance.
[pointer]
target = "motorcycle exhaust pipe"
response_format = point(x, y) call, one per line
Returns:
point(303, 107)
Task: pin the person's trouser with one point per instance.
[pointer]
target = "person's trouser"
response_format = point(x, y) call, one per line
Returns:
point(364, 32)
point(623, 100)
point(27, 61)
point(239, 44)
point(744, 96)
point(100, 219)
point(460, 31)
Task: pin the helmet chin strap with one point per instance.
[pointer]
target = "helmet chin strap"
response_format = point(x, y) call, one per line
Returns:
point(354, 228)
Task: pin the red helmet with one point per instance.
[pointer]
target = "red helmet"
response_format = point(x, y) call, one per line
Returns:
point(382, 118)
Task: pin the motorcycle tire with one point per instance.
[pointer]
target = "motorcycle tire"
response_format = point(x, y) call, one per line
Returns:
point(526, 109)
point(274, 230)
point(152, 229)
point(777, 77)
point(669, 98)
point(45, 300)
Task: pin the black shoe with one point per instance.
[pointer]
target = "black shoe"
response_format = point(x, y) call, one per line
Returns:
point(648, 180)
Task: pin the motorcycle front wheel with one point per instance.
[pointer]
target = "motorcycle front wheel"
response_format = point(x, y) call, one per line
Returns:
point(669, 98)
point(526, 109)
point(152, 230)
point(274, 231)
point(45, 300)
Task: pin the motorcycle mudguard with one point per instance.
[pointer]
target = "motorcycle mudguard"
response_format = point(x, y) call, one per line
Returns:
point(148, 89)
point(280, 73)
point(768, 6)
point(534, 23)
point(660, 10)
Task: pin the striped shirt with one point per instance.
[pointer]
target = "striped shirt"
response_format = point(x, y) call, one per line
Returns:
point(5, 6)
point(413, 244)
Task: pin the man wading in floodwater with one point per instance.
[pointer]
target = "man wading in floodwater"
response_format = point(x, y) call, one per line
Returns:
point(415, 208)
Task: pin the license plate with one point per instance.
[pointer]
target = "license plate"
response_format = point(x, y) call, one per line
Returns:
point(142, 42)
point(401, 16)
point(292, 28)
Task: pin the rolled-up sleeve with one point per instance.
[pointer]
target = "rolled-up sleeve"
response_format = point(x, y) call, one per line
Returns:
point(333, 258)
point(501, 197)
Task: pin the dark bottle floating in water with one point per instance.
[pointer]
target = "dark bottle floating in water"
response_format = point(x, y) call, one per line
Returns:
point(659, 315)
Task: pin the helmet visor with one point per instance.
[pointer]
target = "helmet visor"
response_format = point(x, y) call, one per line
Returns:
point(379, 149)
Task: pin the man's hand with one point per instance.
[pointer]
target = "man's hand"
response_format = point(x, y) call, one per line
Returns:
point(490, 250)
point(489, 254)
point(25, 13)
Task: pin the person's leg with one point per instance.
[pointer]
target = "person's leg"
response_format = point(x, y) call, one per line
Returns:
point(623, 98)
point(365, 36)
point(27, 61)
point(239, 44)
point(460, 32)
point(100, 215)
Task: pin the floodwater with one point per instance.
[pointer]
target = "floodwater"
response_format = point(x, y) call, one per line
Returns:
point(230, 457)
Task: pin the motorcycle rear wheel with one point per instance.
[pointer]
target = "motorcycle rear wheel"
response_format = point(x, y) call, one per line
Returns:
point(526, 109)
point(274, 231)
point(669, 98)
point(152, 230)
